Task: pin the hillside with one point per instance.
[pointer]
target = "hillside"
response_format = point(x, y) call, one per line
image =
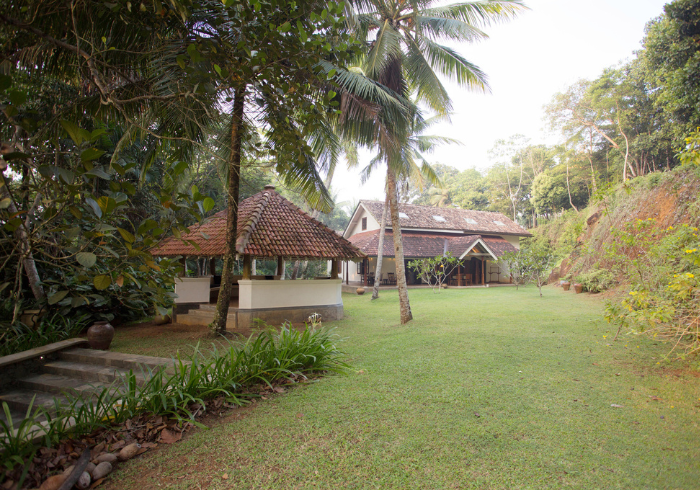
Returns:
point(580, 240)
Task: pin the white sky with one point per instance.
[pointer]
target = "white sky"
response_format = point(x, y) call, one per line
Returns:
point(528, 60)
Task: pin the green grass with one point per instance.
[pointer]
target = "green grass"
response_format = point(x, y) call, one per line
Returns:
point(486, 388)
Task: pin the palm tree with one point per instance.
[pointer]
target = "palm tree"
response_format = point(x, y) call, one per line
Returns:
point(404, 55)
point(414, 169)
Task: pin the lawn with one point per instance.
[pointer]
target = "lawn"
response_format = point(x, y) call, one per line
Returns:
point(486, 388)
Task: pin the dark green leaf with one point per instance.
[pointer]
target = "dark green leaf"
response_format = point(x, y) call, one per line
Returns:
point(55, 298)
point(86, 259)
point(102, 282)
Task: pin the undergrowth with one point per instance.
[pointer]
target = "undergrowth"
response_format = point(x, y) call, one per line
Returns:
point(206, 374)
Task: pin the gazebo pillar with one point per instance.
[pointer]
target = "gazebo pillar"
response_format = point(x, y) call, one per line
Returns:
point(183, 261)
point(459, 275)
point(334, 268)
point(247, 266)
point(212, 266)
point(483, 266)
point(347, 272)
point(280, 267)
point(365, 263)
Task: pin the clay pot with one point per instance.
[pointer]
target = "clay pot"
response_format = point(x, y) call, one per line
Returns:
point(360, 291)
point(566, 285)
point(578, 288)
point(100, 335)
point(30, 317)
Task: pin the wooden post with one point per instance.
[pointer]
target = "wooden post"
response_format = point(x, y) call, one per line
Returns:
point(247, 266)
point(459, 275)
point(365, 263)
point(334, 268)
point(212, 266)
point(183, 261)
point(280, 267)
point(347, 272)
point(482, 271)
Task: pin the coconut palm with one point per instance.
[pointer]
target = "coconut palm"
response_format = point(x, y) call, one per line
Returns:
point(405, 56)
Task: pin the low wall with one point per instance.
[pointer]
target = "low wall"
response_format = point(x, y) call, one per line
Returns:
point(256, 295)
point(296, 315)
point(192, 289)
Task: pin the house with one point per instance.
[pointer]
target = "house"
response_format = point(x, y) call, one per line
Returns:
point(479, 238)
point(269, 227)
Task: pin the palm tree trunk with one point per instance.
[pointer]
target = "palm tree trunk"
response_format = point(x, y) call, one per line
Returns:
point(234, 177)
point(380, 251)
point(404, 305)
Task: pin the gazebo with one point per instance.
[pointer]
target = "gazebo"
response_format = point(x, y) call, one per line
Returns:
point(269, 228)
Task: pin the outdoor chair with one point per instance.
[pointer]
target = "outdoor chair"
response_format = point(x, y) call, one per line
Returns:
point(392, 279)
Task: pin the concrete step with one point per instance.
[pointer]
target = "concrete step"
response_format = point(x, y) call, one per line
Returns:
point(116, 359)
point(16, 415)
point(92, 372)
point(58, 384)
point(19, 400)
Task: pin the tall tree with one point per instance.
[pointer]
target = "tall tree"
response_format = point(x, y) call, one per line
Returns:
point(405, 56)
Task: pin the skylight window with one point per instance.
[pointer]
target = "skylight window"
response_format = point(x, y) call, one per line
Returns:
point(499, 223)
point(439, 218)
point(403, 215)
point(470, 221)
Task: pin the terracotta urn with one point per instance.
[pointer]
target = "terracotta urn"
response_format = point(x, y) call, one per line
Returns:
point(566, 285)
point(360, 291)
point(100, 335)
point(578, 288)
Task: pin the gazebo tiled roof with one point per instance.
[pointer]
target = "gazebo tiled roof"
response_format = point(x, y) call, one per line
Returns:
point(268, 226)
point(427, 245)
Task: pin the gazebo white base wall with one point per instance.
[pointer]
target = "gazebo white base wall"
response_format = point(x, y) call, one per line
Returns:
point(272, 301)
point(192, 289)
point(275, 302)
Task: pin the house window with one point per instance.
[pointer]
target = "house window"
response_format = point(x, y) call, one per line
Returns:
point(361, 267)
point(364, 224)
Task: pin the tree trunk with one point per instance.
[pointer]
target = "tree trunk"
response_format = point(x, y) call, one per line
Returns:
point(295, 270)
point(27, 257)
point(234, 177)
point(405, 306)
point(380, 251)
point(568, 189)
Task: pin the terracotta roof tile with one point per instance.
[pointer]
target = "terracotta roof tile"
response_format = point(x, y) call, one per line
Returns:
point(428, 217)
point(268, 226)
point(427, 245)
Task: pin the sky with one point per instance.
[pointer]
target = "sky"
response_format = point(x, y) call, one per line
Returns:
point(528, 60)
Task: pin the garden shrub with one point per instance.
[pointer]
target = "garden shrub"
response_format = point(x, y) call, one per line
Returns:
point(18, 337)
point(263, 359)
point(662, 267)
point(597, 280)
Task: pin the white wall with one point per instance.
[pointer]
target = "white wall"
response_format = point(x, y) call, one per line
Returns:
point(388, 265)
point(356, 227)
point(284, 294)
point(192, 289)
point(513, 240)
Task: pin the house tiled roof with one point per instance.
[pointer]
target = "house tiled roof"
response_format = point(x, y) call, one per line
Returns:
point(426, 244)
point(427, 217)
point(268, 226)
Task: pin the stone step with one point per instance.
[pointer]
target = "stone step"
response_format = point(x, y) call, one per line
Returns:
point(92, 372)
point(19, 399)
point(57, 384)
point(16, 415)
point(116, 359)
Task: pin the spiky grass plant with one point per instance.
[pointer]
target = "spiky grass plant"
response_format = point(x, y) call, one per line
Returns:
point(266, 358)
